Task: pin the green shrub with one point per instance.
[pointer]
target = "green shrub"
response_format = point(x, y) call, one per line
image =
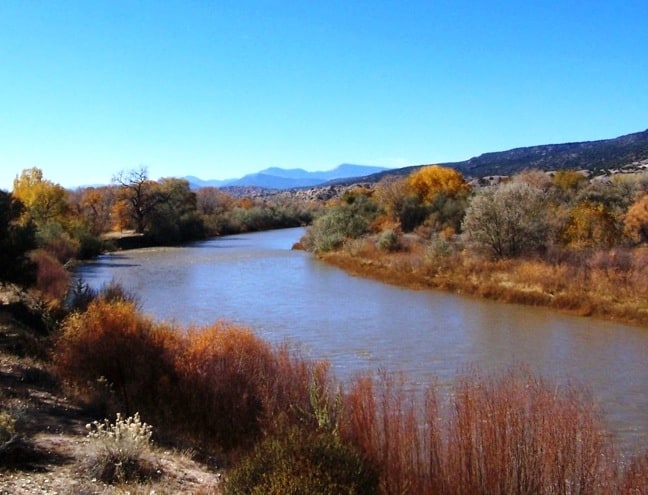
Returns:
point(389, 241)
point(341, 222)
point(298, 462)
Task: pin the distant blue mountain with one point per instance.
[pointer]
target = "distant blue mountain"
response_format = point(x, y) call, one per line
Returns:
point(281, 178)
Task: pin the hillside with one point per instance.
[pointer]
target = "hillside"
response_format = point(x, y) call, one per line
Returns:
point(595, 156)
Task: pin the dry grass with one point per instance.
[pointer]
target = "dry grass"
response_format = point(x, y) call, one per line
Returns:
point(508, 434)
point(607, 284)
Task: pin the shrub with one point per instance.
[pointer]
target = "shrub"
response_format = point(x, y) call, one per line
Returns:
point(52, 279)
point(389, 241)
point(111, 340)
point(121, 451)
point(349, 220)
point(221, 386)
point(512, 433)
point(507, 220)
point(222, 371)
point(298, 462)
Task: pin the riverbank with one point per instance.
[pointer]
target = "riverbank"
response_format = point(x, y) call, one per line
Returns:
point(44, 445)
point(606, 285)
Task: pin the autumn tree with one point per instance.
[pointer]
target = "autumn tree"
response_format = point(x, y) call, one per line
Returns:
point(44, 200)
point(636, 220)
point(567, 183)
point(95, 206)
point(58, 231)
point(175, 218)
point(507, 220)
point(443, 193)
point(615, 193)
point(430, 181)
point(213, 201)
point(141, 194)
point(591, 225)
point(399, 203)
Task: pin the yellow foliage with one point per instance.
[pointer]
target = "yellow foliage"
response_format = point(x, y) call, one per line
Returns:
point(590, 225)
point(568, 180)
point(43, 199)
point(432, 180)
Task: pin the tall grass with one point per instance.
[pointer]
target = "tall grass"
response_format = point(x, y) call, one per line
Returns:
point(507, 434)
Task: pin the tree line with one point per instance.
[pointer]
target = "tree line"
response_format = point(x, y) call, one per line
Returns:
point(530, 213)
point(44, 224)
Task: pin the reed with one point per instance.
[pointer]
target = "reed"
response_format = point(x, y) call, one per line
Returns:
point(511, 434)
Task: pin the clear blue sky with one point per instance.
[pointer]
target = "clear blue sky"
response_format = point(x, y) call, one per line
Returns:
point(218, 89)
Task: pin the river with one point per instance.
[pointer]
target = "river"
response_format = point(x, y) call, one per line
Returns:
point(362, 325)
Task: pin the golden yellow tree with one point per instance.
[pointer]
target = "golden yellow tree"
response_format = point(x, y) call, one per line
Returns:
point(44, 200)
point(591, 225)
point(428, 182)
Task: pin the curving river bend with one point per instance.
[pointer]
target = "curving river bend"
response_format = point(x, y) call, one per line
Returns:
point(358, 324)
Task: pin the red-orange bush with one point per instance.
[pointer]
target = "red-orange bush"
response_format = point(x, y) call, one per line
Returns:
point(220, 386)
point(52, 279)
point(112, 341)
point(222, 371)
point(509, 434)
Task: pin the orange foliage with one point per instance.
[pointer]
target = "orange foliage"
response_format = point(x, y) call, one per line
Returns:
point(220, 386)
point(503, 434)
point(52, 279)
point(568, 181)
point(114, 342)
point(430, 181)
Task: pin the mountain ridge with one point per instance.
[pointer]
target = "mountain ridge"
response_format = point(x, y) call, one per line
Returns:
point(595, 156)
point(280, 178)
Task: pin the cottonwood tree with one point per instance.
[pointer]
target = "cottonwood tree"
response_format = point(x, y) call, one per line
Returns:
point(95, 206)
point(141, 194)
point(44, 200)
point(437, 196)
point(175, 218)
point(590, 225)
point(430, 181)
point(507, 220)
